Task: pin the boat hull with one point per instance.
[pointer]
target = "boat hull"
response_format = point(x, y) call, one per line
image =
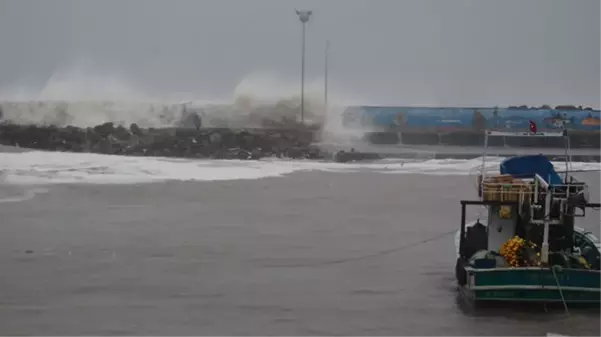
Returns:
point(533, 285)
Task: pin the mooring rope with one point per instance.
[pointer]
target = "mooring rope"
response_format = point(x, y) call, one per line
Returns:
point(563, 300)
point(372, 255)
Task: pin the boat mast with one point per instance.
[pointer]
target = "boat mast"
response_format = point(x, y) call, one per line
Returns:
point(482, 168)
point(544, 251)
point(566, 145)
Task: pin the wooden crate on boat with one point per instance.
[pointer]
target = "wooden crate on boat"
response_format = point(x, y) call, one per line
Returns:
point(504, 188)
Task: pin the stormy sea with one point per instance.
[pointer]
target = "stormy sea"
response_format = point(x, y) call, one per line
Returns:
point(94, 244)
point(107, 245)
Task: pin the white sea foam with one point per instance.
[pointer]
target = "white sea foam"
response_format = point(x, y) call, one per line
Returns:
point(37, 167)
point(23, 195)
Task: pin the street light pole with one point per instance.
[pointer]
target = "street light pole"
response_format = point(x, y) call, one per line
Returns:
point(325, 81)
point(304, 18)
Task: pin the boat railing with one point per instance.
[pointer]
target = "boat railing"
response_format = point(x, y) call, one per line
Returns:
point(532, 133)
point(532, 193)
point(539, 181)
point(508, 190)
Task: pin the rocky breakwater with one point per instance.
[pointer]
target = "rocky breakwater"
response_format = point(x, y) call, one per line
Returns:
point(214, 143)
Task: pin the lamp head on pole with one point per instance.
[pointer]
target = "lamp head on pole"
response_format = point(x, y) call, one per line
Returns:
point(304, 15)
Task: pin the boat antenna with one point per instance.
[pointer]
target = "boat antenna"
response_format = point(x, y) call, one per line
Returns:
point(484, 153)
point(566, 145)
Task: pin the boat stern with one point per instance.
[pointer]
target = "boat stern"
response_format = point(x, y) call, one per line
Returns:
point(533, 284)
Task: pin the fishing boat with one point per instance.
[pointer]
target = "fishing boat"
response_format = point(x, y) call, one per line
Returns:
point(526, 247)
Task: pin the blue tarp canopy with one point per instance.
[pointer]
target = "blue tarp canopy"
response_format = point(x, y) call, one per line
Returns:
point(528, 166)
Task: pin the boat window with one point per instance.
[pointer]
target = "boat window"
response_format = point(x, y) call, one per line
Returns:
point(577, 239)
point(592, 237)
point(587, 249)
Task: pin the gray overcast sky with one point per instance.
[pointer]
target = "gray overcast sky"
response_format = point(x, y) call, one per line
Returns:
point(437, 52)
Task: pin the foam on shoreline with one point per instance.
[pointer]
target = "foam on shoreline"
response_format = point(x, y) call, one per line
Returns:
point(41, 168)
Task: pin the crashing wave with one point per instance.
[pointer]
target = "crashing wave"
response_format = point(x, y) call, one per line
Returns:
point(242, 113)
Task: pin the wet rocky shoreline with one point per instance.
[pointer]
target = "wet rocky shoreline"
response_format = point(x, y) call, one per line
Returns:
point(210, 143)
point(297, 142)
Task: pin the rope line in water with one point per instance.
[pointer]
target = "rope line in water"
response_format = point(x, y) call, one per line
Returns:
point(372, 255)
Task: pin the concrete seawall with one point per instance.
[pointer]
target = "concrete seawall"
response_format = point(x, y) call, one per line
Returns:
point(578, 139)
point(362, 151)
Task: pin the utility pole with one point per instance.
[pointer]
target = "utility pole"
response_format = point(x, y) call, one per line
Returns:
point(325, 84)
point(304, 18)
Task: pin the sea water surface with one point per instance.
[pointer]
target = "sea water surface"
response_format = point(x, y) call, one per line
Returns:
point(107, 245)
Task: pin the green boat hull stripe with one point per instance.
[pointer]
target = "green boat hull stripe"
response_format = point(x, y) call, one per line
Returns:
point(530, 287)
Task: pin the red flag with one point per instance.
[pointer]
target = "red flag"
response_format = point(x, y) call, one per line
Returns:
point(532, 127)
